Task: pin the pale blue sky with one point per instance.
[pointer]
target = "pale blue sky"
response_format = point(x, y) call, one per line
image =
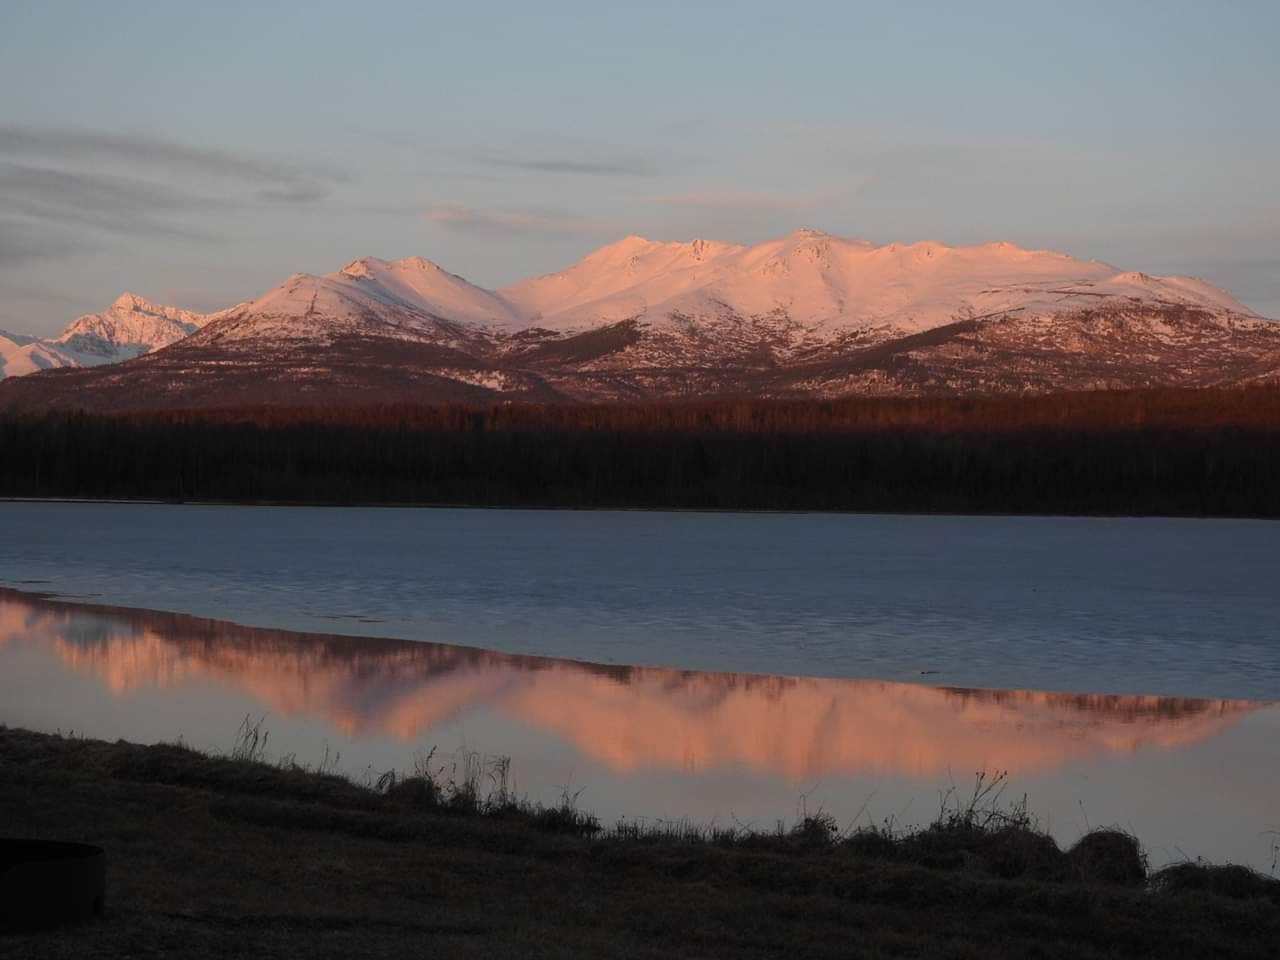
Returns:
point(199, 153)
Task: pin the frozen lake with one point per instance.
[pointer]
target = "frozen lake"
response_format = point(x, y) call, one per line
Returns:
point(1151, 606)
point(723, 667)
point(646, 743)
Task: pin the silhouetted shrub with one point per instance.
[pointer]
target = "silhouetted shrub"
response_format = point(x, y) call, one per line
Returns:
point(1237, 882)
point(1110, 857)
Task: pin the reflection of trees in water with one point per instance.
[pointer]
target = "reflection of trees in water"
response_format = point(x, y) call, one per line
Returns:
point(88, 625)
point(626, 717)
point(1111, 704)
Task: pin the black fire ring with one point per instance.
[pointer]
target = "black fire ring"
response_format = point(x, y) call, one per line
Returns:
point(46, 883)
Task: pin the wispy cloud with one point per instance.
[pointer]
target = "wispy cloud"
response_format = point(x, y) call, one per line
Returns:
point(484, 162)
point(56, 184)
point(22, 242)
point(298, 193)
point(579, 166)
point(390, 138)
point(512, 220)
point(748, 200)
point(16, 291)
point(79, 146)
point(114, 204)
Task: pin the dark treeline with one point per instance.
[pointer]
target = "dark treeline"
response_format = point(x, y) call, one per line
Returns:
point(1149, 452)
point(1256, 407)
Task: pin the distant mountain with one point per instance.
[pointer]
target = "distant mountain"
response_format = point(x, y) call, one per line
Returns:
point(806, 315)
point(128, 328)
point(20, 355)
point(829, 286)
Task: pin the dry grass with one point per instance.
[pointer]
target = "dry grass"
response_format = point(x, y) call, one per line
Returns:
point(228, 856)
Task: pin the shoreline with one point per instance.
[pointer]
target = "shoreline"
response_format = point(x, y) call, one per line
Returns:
point(197, 844)
point(590, 508)
point(962, 728)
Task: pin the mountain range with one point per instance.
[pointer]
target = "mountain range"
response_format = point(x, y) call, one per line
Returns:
point(806, 315)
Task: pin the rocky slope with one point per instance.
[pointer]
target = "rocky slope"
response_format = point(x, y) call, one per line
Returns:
point(805, 315)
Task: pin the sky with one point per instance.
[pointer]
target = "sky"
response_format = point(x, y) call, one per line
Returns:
point(198, 154)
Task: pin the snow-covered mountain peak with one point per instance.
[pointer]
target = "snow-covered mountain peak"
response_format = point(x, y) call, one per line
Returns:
point(620, 280)
point(807, 238)
point(370, 268)
point(782, 301)
point(701, 249)
point(639, 254)
point(130, 326)
point(999, 250)
point(628, 246)
point(832, 285)
point(360, 269)
point(412, 297)
point(809, 246)
point(421, 264)
point(131, 301)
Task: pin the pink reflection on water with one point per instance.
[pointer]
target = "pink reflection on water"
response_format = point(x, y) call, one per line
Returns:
point(627, 718)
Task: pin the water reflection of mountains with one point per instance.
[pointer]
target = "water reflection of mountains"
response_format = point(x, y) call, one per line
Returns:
point(629, 718)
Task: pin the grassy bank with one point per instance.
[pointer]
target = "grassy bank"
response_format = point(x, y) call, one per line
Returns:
point(233, 856)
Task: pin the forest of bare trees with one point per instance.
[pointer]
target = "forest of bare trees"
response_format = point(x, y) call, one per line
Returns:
point(1138, 452)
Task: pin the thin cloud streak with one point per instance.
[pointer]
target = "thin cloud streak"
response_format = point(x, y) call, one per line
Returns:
point(22, 242)
point(82, 145)
point(81, 190)
point(114, 204)
point(745, 200)
point(530, 161)
point(523, 221)
point(386, 137)
point(302, 193)
point(573, 166)
point(56, 184)
point(31, 294)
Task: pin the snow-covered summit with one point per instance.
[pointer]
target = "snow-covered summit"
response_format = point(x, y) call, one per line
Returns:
point(131, 326)
point(833, 285)
point(410, 297)
point(808, 313)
